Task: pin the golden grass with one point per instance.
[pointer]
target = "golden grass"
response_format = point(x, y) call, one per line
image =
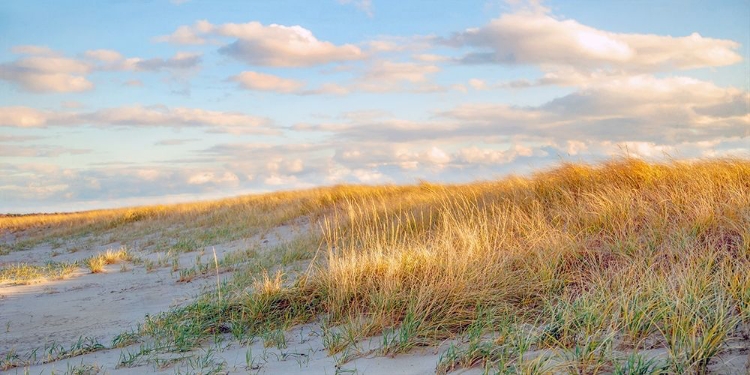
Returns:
point(566, 246)
point(622, 256)
point(188, 225)
point(97, 262)
point(22, 273)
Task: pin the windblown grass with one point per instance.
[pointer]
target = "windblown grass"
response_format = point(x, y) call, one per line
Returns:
point(576, 269)
point(22, 273)
point(573, 265)
point(97, 262)
point(188, 226)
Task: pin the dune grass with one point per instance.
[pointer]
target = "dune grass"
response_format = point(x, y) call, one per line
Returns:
point(23, 273)
point(97, 262)
point(181, 227)
point(579, 269)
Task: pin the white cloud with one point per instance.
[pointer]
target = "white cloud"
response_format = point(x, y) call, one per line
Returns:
point(42, 70)
point(537, 37)
point(22, 117)
point(266, 82)
point(386, 76)
point(232, 122)
point(389, 71)
point(276, 180)
point(369, 176)
point(476, 155)
point(477, 84)
point(272, 45)
point(187, 34)
point(639, 108)
point(47, 74)
point(149, 174)
point(294, 166)
point(180, 60)
point(104, 55)
point(202, 178)
point(329, 89)
point(33, 50)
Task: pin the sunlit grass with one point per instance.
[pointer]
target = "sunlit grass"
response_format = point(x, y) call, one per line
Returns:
point(23, 273)
point(577, 269)
point(97, 262)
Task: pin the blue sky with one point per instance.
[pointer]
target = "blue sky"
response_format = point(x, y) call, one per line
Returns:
point(113, 103)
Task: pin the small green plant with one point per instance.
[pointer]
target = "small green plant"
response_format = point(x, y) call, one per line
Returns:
point(274, 338)
point(125, 339)
point(590, 356)
point(82, 369)
point(636, 364)
point(185, 245)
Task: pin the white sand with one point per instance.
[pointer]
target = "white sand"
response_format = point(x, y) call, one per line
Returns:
point(101, 306)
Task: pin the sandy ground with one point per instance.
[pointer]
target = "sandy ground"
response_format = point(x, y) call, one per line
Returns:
point(304, 353)
point(101, 306)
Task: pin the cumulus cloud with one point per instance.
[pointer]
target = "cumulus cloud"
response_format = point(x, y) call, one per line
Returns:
point(35, 186)
point(114, 61)
point(476, 155)
point(104, 55)
point(328, 89)
point(380, 76)
point(42, 70)
point(272, 45)
point(639, 108)
point(232, 122)
point(478, 84)
point(178, 61)
point(203, 178)
point(386, 76)
point(23, 117)
point(539, 38)
point(188, 34)
point(33, 50)
point(42, 73)
point(266, 82)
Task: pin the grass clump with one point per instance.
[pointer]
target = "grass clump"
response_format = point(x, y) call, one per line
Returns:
point(22, 273)
point(97, 262)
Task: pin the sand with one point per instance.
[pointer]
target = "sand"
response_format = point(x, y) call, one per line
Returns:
point(101, 306)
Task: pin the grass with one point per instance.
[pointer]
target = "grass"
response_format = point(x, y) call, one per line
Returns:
point(22, 273)
point(97, 262)
point(576, 269)
point(599, 260)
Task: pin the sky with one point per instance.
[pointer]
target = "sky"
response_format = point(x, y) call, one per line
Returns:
point(119, 103)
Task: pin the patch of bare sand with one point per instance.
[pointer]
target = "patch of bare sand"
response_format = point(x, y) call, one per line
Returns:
point(101, 306)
